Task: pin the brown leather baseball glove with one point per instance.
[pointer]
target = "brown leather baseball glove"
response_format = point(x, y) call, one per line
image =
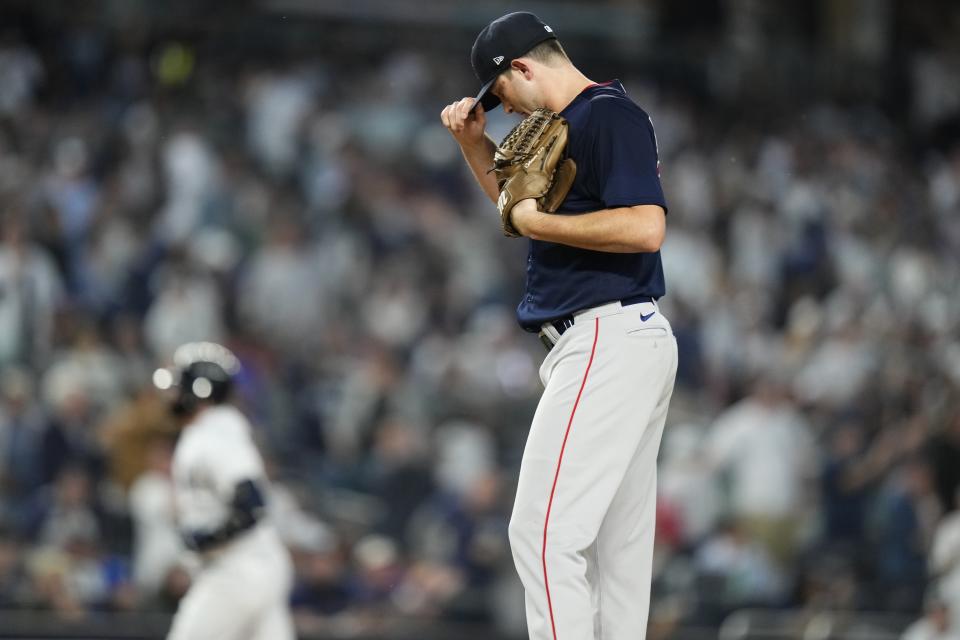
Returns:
point(531, 163)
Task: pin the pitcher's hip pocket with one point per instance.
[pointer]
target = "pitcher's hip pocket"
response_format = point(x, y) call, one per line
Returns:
point(652, 331)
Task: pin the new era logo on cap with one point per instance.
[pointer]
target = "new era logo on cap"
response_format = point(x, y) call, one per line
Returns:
point(498, 60)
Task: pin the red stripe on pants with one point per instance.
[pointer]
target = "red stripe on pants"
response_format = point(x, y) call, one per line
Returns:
point(556, 476)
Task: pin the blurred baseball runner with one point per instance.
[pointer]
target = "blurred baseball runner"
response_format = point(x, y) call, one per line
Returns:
point(582, 527)
point(242, 589)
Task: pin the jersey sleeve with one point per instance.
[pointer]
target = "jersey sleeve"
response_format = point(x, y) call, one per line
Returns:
point(624, 158)
point(236, 461)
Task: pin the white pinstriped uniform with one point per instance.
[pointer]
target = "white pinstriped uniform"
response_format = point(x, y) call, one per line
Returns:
point(242, 590)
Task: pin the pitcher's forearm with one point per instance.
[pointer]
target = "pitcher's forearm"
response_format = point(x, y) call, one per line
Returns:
point(480, 160)
point(637, 229)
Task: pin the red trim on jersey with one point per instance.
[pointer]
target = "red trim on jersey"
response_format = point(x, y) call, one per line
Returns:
point(556, 476)
point(598, 84)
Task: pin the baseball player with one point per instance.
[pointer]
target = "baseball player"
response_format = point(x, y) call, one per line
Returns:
point(582, 527)
point(242, 587)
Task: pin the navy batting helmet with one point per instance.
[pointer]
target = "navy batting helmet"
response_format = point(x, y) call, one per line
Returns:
point(201, 372)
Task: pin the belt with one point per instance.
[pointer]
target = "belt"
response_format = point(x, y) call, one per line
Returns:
point(559, 326)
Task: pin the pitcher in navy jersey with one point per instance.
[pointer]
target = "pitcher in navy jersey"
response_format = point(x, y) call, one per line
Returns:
point(582, 528)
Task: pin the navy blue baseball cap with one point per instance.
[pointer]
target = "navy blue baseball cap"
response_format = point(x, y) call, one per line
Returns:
point(505, 39)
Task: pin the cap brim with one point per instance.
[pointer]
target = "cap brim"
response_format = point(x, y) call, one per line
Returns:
point(487, 97)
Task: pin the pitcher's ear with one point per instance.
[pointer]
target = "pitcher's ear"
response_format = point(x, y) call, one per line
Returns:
point(523, 66)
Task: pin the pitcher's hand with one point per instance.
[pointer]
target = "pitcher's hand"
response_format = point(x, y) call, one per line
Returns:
point(465, 123)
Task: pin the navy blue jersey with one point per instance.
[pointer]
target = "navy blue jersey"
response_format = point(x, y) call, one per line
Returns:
point(612, 141)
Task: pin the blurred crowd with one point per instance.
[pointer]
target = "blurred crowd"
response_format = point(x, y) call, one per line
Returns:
point(313, 216)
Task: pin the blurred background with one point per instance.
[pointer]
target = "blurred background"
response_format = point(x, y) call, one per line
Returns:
point(273, 174)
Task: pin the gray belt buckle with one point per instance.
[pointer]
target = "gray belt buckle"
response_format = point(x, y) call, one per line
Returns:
point(549, 336)
point(545, 339)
